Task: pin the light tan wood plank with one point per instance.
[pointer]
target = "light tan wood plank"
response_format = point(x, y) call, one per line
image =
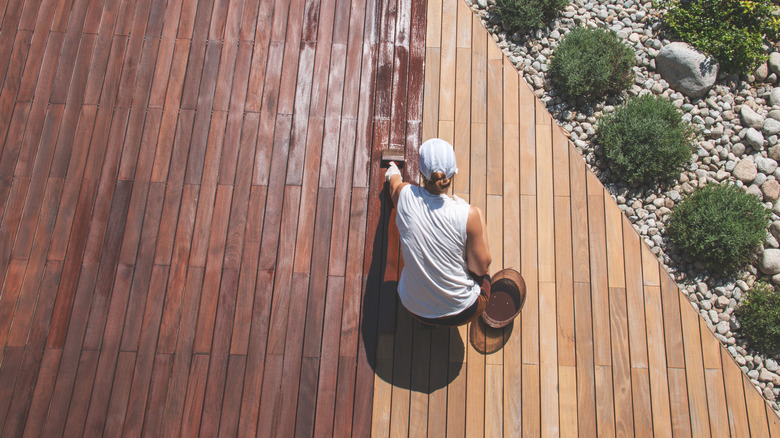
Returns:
point(530, 313)
point(494, 412)
point(447, 131)
point(479, 74)
point(527, 140)
point(621, 366)
point(642, 408)
point(495, 217)
point(586, 373)
point(635, 300)
point(475, 393)
point(579, 227)
point(670, 297)
point(694, 366)
point(650, 274)
point(564, 282)
point(659, 384)
point(598, 269)
point(430, 122)
point(465, 19)
point(456, 401)
point(735, 396)
point(511, 94)
point(773, 420)
point(615, 263)
point(531, 401)
point(462, 140)
point(567, 382)
point(545, 203)
point(710, 347)
point(548, 359)
point(478, 163)
point(716, 400)
point(605, 406)
point(561, 162)
point(495, 141)
point(448, 59)
point(756, 407)
point(513, 380)
point(511, 198)
point(433, 25)
point(678, 402)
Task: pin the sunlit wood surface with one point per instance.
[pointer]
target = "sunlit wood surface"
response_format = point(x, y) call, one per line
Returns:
point(194, 237)
point(606, 344)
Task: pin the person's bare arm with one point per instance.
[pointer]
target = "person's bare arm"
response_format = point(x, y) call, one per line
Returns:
point(478, 257)
point(395, 184)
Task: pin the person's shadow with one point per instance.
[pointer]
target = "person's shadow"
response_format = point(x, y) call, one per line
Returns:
point(401, 350)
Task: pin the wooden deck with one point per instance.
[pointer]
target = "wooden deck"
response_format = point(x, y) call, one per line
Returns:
point(194, 238)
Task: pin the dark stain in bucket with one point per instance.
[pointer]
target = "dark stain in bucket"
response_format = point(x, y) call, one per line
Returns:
point(504, 300)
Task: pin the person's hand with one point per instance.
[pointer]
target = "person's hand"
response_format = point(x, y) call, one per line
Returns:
point(392, 169)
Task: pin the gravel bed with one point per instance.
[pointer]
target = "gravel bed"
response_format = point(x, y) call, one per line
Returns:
point(737, 125)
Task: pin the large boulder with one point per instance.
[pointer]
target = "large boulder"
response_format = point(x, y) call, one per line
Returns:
point(686, 69)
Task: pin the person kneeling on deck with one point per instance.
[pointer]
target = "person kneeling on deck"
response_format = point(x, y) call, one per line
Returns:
point(443, 242)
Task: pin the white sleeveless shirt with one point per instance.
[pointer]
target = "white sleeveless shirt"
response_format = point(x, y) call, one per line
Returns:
point(435, 280)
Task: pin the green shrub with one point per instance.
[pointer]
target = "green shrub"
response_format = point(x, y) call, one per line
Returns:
point(592, 63)
point(719, 225)
point(759, 318)
point(646, 139)
point(730, 30)
point(527, 15)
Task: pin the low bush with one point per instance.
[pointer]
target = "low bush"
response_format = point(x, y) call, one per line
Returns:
point(730, 30)
point(720, 226)
point(591, 63)
point(528, 15)
point(645, 140)
point(759, 318)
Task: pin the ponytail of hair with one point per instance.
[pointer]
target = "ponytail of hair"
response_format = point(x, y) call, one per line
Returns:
point(438, 184)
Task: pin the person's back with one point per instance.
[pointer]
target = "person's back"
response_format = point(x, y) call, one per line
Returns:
point(443, 242)
point(433, 244)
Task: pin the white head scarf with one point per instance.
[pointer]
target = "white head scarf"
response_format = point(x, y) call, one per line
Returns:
point(437, 155)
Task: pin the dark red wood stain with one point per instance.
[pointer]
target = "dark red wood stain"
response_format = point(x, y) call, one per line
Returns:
point(189, 208)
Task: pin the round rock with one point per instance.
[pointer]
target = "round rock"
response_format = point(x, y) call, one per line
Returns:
point(769, 263)
point(774, 63)
point(771, 127)
point(774, 96)
point(771, 190)
point(754, 138)
point(774, 153)
point(761, 72)
point(745, 170)
point(766, 165)
point(751, 118)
